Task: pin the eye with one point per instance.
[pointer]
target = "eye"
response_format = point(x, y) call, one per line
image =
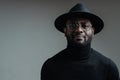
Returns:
point(83, 25)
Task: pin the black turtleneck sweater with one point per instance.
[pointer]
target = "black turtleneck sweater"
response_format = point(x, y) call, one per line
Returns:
point(79, 63)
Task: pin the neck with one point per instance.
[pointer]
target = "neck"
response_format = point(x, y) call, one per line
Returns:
point(79, 52)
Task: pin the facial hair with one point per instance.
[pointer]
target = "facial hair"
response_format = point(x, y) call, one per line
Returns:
point(75, 39)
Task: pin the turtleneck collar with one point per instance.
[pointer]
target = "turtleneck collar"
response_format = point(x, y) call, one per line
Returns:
point(78, 52)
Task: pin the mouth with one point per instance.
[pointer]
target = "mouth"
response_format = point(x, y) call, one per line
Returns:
point(78, 39)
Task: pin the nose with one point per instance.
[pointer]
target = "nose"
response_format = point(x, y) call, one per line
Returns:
point(79, 29)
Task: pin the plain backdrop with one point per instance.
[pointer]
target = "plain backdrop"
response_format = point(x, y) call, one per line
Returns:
point(28, 36)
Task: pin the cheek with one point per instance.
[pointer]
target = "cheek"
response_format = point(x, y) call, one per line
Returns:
point(90, 34)
point(67, 32)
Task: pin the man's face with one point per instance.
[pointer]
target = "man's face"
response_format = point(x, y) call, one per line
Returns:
point(78, 31)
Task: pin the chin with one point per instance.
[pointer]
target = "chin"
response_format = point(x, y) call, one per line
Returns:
point(80, 44)
point(80, 41)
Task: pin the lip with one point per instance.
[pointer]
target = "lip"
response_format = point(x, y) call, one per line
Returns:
point(79, 36)
point(78, 39)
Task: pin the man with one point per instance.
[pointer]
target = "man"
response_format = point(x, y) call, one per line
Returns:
point(79, 61)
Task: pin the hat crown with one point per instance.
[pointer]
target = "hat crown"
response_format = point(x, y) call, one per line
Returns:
point(79, 8)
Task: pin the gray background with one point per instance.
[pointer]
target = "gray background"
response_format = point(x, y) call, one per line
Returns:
point(28, 36)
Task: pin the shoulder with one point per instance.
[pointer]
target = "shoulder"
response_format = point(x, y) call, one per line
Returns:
point(110, 65)
point(106, 61)
point(99, 56)
point(60, 55)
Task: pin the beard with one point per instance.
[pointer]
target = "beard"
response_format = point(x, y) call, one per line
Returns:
point(79, 40)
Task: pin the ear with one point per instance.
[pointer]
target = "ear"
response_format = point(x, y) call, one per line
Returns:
point(93, 29)
point(65, 30)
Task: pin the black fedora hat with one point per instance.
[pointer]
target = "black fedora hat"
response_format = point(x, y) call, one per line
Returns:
point(79, 10)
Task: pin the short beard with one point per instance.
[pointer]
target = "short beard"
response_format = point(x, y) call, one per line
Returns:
point(73, 43)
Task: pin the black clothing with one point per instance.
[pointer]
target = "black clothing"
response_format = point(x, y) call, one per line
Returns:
point(79, 63)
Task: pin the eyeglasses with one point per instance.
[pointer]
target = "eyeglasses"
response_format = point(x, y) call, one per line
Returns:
point(83, 25)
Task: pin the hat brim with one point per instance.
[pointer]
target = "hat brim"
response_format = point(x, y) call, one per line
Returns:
point(96, 21)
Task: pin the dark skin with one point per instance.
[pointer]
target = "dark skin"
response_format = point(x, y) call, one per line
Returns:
point(79, 31)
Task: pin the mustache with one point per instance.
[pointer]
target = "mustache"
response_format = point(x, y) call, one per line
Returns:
point(78, 35)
